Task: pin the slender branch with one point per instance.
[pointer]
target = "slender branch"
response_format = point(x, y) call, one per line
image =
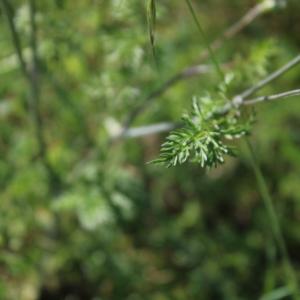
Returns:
point(268, 203)
point(36, 98)
point(210, 51)
point(271, 77)
point(151, 129)
point(184, 74)
point(34, 82)
point(167, 126)
point(32, 77)
point(194, 70)
point(236, 102)
point(274, 220)
point(292, 93)
point(239, 99)
point(237, 27)
point(7, 9)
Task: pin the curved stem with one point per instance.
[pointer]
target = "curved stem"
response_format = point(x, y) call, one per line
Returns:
point(31, 74)
point(167, 126)
point(274, 221)
point(283, 95)
point(294, 62)
point(197, 69)
point(207, 44)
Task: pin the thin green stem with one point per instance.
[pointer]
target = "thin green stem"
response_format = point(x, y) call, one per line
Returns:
point(7, 10)
point(34, 83)
point(205, 40)
point(31, 74)
point(274, 221)
point(276, 229)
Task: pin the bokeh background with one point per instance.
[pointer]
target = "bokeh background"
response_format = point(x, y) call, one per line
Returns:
point(84, 216)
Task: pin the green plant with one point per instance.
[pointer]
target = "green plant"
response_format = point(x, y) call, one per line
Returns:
point(203, 133)
point(82, 216)
point(200, 139)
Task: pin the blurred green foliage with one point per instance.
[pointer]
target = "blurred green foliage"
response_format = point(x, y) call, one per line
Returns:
point(111, 226)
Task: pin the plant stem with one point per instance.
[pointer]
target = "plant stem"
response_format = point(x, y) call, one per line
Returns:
point(271, 77)
point(167, 126)
point(15, 37)
point(205, 40)
point(32, 76)
point(283, 95)
point(199, 69)
point(275, 225)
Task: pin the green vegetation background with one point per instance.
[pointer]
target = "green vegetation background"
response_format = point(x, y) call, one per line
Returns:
point(110, 226)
